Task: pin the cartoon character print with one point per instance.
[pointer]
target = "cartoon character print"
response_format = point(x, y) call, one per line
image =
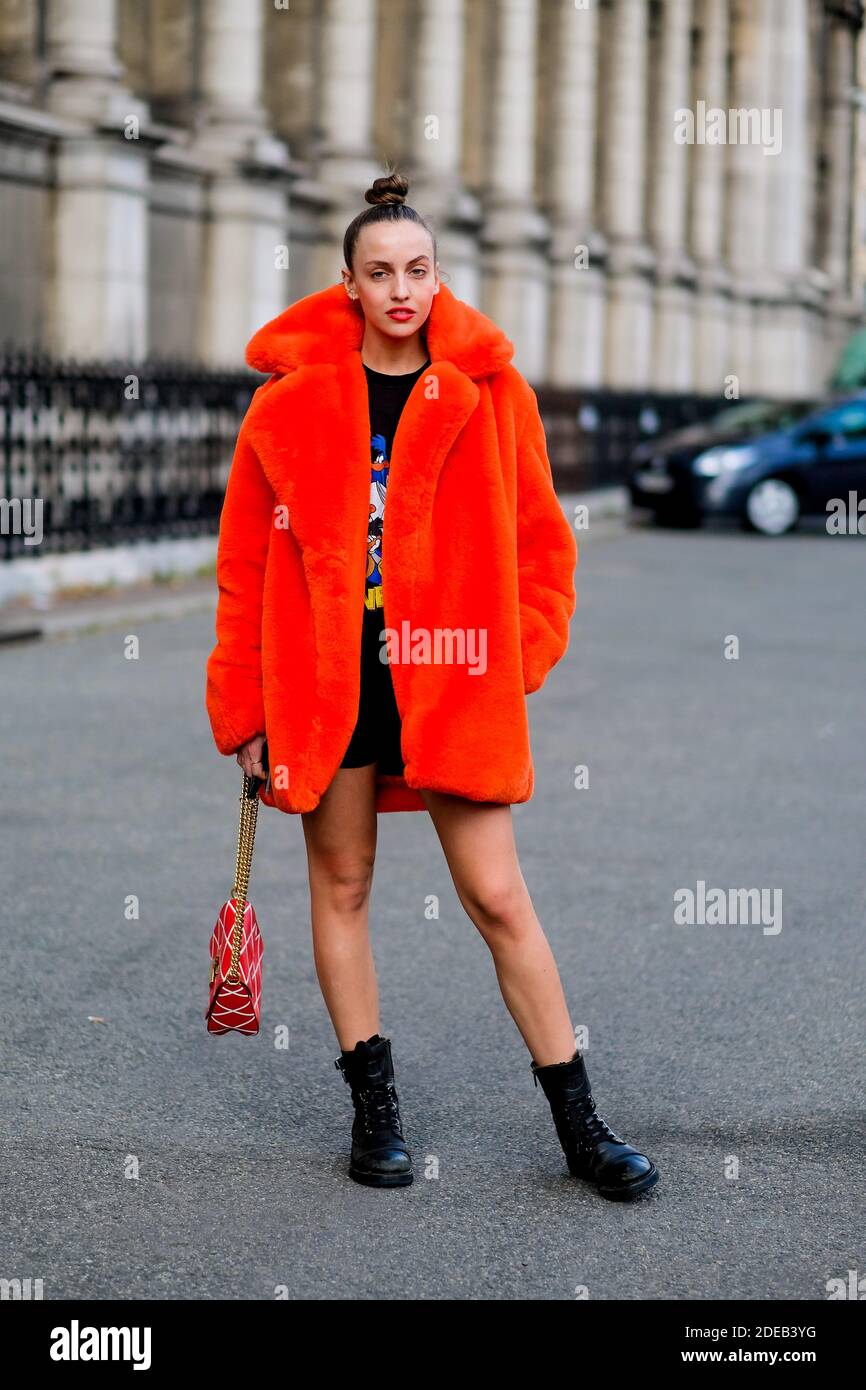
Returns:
point(379, 470)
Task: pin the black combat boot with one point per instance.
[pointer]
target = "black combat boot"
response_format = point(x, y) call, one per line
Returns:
point(380, 1157)
point(591, 1148)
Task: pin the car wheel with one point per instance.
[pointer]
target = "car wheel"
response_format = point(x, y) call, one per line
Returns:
point(772, 507)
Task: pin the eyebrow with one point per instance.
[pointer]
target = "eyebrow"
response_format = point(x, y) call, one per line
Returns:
point(422, 257)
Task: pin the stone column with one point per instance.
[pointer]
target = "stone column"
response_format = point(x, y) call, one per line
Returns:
point(628, 339)
point(754, 35)
point(97, 296)
point(244, 276)
point(83, 70)
point(18, 59)
point(346, 166)
point(98, 303)
point(515, 290)
point(838, 147)
point(230, 77)
point(859, 219)
point(437, 80)
point(712, 298)
point(576, 275)
point(436, 142)
point(672, 364)
point(791, 362)
point(843, 20)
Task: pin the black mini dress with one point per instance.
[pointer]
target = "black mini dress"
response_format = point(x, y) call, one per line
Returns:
point(376, 737)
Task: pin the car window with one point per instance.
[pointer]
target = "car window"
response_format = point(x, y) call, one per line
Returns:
point(760, 417)
point(848, 420)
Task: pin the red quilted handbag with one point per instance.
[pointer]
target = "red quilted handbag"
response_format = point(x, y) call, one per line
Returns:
point(236, 946)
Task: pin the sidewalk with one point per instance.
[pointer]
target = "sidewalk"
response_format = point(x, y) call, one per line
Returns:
point(150, 599)
point(110, 609)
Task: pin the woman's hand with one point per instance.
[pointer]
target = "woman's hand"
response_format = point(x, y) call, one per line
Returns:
point(250, 757)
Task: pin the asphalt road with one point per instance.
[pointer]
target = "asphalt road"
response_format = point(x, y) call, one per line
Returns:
point(143, 1158)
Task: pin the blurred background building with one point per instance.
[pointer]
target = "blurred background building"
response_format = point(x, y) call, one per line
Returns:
point(173, 173)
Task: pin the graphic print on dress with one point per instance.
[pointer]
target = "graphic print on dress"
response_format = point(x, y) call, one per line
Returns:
point(379, 470)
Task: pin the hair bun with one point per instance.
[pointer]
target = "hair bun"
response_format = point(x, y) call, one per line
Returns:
point(392, 188)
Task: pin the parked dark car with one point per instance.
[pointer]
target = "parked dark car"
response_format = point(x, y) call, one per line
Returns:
point(766, 463)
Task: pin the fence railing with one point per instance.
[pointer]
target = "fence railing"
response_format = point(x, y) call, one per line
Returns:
point(117, 455)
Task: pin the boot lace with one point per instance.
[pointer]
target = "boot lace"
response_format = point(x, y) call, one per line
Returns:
point(590, 1126)
point(377, 1107)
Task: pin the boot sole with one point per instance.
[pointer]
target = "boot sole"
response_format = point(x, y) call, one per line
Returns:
point(381, 1179)
point(623, 1194)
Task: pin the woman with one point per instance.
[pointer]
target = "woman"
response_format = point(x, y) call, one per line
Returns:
point(389, 662)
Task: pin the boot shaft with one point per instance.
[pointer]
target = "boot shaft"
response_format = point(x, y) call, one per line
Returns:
point(368, 1064)
point(581, 1130)
point(563, 1081)
point(368, 1070)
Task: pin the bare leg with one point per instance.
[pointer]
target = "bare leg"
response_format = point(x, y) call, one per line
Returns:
point(477, 838)
point(341, 851)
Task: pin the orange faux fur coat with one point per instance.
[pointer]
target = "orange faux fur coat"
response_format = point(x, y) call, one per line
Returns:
point(475, 538)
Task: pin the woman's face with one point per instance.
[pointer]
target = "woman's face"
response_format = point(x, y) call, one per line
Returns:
point(394, 270)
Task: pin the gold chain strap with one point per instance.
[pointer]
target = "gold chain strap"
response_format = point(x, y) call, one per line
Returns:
point(246, 836)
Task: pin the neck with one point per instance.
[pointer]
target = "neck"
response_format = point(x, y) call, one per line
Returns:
point(393, 356)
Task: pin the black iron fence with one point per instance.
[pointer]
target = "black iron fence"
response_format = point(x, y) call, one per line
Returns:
point(113, 454)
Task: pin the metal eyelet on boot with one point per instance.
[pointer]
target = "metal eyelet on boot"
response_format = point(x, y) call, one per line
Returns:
point(380, 1109)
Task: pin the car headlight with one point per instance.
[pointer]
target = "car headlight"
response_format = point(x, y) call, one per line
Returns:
point(716, 461)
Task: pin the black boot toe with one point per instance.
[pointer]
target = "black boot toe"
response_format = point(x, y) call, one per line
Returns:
point(382, 1168)
point(625, 1172)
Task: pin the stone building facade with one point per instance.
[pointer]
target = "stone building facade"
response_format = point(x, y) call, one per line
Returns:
point(174, 172)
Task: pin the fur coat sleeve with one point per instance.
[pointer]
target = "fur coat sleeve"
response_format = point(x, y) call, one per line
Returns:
point(234, 669)
point(546, 556)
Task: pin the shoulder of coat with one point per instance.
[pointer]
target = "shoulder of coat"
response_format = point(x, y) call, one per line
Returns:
point(514, 379)
point(512, 384)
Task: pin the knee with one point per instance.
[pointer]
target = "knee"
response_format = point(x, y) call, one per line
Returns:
point(345, 880)
point(499, 906)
